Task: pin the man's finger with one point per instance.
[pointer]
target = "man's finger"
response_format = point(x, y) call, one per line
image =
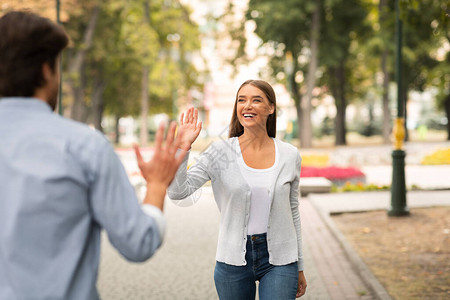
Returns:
point(182, 119)
point(159, 136)
point(171, 134)
point(179, 157)
point(137, 151)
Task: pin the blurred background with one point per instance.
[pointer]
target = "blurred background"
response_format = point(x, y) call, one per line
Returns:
point(134, 63)
point(131, 64)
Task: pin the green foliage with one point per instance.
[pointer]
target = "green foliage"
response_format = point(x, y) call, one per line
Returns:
point(129, 35)
point(359, 187)
point(285, 22)
point(426, 29)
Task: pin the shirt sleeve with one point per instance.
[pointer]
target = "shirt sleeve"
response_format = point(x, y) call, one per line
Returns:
point(158, 216)
point(114, 205)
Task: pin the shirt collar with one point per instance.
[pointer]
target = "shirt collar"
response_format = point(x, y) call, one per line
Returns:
point(25, 103)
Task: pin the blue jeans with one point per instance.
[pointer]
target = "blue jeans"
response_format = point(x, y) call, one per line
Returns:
point(238, 282)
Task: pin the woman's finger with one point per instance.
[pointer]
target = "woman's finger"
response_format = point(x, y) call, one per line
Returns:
point(195, 116)
point(190, 115)
point(199, 128)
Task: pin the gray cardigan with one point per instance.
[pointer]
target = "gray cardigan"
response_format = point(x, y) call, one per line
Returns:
point(232, 194)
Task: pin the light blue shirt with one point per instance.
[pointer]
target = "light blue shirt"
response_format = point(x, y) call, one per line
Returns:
point(60, 184)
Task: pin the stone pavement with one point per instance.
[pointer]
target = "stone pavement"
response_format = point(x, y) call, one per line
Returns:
point(183, 267)
point(329, 272)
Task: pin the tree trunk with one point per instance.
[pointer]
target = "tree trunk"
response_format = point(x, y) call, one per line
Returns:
point(370, 126)
point(145, 84)
point(97, 104)
point(116, 130)
point(447, 112)
point(78, 111)
point(144, 106)
point(306, 132)
point(405, 113)
point(294, 90)
point(385, 88)
point(338, 91)
point(387, 119)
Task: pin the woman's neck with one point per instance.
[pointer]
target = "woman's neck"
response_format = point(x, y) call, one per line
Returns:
point(255, 140)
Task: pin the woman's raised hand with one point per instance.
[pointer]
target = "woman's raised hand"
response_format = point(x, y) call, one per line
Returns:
point(190, 128)
point(161, 169)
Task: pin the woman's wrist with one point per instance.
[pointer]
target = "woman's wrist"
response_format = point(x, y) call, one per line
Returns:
point(185, 147)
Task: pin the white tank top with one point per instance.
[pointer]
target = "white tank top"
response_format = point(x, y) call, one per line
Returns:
point(260, 182)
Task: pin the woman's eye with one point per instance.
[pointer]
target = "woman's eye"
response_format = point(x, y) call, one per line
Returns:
point(240, 100)
point(257, 100)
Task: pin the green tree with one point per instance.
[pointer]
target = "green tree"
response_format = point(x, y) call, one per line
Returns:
point(81, 27)
point(343, 24)
point(426, 61)
point(292, 28)
point(299, 29)
point(122, 59)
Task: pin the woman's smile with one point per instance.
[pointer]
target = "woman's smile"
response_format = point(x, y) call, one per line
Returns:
point(253, 106)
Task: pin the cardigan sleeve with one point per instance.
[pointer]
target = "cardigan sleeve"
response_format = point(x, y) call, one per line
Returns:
point(186, 182)
point(294, 194)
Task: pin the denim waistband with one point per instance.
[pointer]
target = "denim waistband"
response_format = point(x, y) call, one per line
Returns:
point(260, 237)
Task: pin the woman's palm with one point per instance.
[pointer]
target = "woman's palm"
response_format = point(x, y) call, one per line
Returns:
point(190, 128)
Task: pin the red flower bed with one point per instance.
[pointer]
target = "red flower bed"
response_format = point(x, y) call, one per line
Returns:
point(332, 173)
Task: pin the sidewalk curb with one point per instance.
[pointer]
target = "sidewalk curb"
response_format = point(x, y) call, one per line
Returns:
point(358, 264)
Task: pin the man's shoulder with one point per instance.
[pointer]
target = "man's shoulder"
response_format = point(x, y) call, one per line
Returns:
point(79, 134)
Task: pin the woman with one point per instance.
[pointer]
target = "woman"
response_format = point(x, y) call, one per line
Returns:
point(255, 181)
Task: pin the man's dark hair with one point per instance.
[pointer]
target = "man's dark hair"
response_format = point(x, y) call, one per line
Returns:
point(27, 41)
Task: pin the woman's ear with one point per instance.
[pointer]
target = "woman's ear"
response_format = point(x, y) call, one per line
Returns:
point(272, 108)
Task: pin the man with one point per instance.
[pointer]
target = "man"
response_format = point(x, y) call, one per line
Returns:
point(60, 181)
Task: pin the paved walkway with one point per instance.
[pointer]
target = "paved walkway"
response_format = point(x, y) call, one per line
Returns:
point(183, 268)
point(329, 272)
